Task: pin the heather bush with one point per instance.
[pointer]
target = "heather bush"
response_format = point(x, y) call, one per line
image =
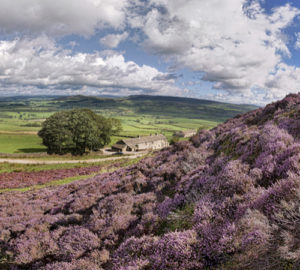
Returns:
point(227, 199)
point(175, 250)
point(26, 179)
point(78, 265)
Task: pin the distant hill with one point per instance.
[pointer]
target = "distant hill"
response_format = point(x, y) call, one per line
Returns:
point(133, 105)
point(158, 105)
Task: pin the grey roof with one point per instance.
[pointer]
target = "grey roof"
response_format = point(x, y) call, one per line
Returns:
point(145, 139)
point(119, 146)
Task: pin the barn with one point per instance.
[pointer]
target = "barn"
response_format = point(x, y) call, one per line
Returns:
point(151, 142)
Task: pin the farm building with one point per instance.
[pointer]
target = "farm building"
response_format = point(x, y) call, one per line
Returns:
point(151, 142)
point(185, 133)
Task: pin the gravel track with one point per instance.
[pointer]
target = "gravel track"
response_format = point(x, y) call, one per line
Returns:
point(44, 162)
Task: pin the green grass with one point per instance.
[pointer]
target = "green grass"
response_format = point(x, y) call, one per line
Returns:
point(180, 219)
point(133, 126)
point(139, 115)
point(13, 143)
point(13, 167)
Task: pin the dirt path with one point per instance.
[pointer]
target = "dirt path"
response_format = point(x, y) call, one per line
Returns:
point(18, 132)
point(45, 162)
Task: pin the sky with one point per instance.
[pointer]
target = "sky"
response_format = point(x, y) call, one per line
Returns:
point(239, 51)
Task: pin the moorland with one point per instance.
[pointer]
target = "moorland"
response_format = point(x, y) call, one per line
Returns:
point(226, 199)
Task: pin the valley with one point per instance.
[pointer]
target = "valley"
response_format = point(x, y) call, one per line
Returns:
point(21, 117)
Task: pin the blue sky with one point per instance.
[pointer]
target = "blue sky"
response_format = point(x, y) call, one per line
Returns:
point(240, 51)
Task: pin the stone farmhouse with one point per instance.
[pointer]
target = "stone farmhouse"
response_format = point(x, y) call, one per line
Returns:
point(151, 142)
point(185, 133)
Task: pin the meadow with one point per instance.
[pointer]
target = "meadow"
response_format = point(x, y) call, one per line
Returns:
point(21, 117)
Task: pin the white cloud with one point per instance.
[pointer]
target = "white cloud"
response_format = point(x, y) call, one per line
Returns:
point(234, 43)
point(297, 43)
point(61, 17)
point(113, 40)
point(35, 64)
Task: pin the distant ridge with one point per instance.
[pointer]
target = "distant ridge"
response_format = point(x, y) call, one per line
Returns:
point(134, 105)
point(159, 105)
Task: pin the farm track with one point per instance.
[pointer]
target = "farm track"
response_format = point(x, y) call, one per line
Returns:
point(18, 132)
point(48, 162)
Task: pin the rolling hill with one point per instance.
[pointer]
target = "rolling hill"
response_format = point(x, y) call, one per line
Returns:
point(132, 105)
point(159, 105)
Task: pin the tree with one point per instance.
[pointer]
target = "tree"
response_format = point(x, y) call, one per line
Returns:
point(116, 126)
point(76, 131)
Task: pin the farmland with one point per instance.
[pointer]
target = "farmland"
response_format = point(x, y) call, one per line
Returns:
point(21, 117)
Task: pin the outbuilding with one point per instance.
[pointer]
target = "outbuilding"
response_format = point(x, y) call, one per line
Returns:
point(143, 143)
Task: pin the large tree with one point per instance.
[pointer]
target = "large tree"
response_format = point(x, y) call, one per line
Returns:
point(76, 131)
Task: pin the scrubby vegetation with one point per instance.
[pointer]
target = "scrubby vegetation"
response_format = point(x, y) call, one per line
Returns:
point(228, 199)
point(26, 179)
point(20, 177)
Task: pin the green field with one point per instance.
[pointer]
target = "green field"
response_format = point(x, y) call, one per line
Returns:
point(21, 117)
point(12, 143)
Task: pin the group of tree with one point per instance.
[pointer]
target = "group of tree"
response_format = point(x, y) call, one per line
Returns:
point(77, 131)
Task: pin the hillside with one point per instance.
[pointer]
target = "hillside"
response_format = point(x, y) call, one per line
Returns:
point(132, 105)
point(160, 105)
point(228, 199)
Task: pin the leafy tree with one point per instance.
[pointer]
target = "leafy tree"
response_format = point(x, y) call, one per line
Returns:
point(116, 126)
point(75, 131)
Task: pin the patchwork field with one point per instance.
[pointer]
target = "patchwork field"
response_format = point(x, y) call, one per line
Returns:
point(21, 117)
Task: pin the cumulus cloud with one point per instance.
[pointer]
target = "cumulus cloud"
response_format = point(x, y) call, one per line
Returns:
point(234, 43)
point(61, 17)
point(113, 40)
point(297, 43)
point(33, 64)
